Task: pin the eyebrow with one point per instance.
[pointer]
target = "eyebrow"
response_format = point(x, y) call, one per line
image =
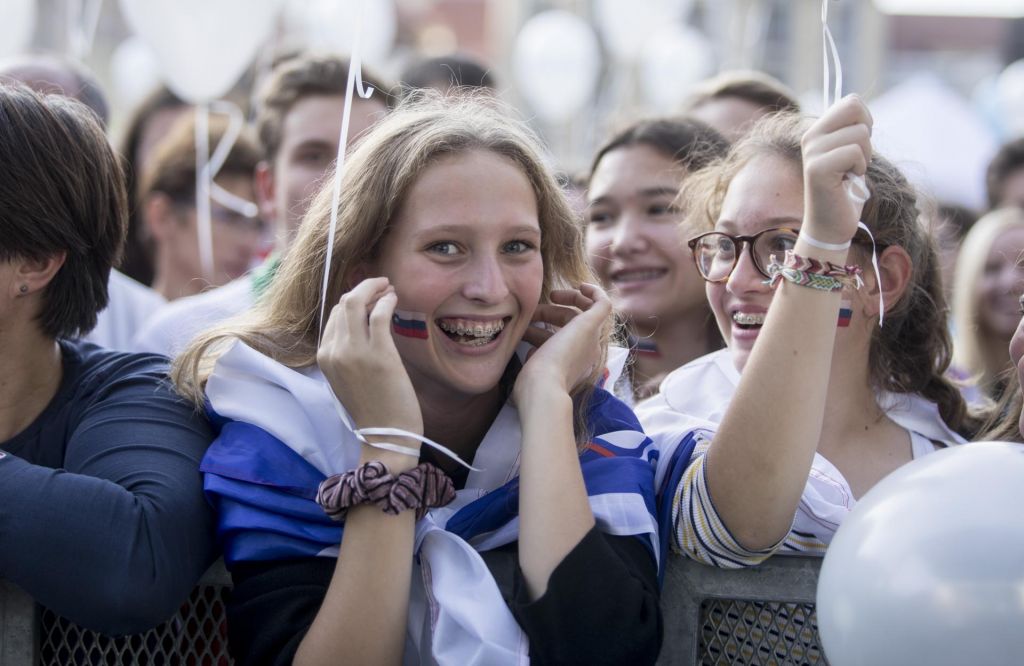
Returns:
point(457, 228)
point(659, 191)
point(312, 143)
point(648, 193)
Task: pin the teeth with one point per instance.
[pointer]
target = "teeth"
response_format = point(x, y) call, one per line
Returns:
point(480, 330)
point(748, 319)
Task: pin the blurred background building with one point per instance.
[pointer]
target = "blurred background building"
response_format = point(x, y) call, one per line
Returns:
point(940, 73)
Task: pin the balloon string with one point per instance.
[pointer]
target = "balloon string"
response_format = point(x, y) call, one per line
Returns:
point(82, 22)
point(856, 187)
point(236, 121)
point(354, 77)
point(203, 181)
point(829, 45)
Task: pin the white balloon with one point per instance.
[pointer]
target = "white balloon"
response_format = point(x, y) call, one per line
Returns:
point(134, 71)
point(330, 25)
point(626, 25)
point(203, 45)
point(19, 20)
point(1010, 95)
point(556, 61)
point(673, 60)
point(929, 566)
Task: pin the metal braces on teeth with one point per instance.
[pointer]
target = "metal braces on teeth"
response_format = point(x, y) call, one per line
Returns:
point(748, 319)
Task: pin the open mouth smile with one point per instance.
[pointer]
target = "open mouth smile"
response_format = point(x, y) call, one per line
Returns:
point(471, 332)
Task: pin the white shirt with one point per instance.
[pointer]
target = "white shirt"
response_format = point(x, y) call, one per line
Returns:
point(131, 305)
point(175, 324)
point(694, 399)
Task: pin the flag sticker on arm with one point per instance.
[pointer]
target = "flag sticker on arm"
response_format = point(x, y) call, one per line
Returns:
point(409, 324)
point(845, 314)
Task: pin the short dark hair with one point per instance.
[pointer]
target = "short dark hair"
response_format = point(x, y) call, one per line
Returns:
point(458, 70)
point(61, 190)
point(691, 143)
point(301, 76)
point(1009, 158)
point(172, 170)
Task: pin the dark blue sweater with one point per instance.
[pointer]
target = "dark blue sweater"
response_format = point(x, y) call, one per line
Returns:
point(102, 514)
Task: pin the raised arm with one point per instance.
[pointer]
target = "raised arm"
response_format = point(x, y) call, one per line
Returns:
point(554, 512)
point(592, 597)
point(762, 453)
point(363, 616)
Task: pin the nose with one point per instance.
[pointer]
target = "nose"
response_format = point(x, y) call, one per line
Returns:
point(485, 280)
point(745, 278)
point(628, 236)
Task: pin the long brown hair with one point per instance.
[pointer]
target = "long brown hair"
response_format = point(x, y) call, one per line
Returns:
point(284, 324)
point(912, 352)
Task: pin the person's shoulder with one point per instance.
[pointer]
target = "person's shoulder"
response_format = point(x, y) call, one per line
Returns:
point(88, 362)
point(229, 299)
point(701, 385)
point(130, 304)
point(177, 322)
point(94, 374)
point(128, 290)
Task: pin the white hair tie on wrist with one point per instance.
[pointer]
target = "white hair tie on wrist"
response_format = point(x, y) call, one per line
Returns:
point(822, 245)
point(407, 450)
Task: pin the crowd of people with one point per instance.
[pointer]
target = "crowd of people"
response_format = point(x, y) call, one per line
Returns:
point(510, 413)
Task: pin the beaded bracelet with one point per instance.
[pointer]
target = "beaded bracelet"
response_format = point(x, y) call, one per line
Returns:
point(807, 272)
point(422, 488)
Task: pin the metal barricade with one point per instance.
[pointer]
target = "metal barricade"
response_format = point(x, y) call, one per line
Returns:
point(195, 636)
point(760, 615)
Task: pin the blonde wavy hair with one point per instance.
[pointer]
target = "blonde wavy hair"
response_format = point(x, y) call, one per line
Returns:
point(969, 340)
point(284, 323)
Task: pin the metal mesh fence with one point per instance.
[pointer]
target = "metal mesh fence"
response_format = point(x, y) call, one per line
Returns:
point(758, 633)
point(196, 636)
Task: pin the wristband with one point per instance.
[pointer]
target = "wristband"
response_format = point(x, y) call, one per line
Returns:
point(422, 488)
point(822, 245)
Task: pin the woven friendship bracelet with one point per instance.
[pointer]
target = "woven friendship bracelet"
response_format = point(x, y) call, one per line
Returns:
point(810, 265)
point(422, 488)
point(802, 278)
point(807, 272)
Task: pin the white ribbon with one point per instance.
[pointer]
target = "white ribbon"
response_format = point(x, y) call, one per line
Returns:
point(236, 121)
point(398, 432)
point(82, 18)
point(207, 167)
point(856, 187)
point(355, 83)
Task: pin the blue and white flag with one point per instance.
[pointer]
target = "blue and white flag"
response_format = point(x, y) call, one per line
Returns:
point(282, 432)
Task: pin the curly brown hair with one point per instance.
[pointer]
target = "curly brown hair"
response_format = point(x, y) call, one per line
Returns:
point(912, 352)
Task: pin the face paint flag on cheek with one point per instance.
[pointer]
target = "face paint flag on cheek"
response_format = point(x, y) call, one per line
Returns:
point(845, 314)
point(409, 324)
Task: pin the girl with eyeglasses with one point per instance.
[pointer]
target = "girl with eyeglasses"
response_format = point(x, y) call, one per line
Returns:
point(767, 445)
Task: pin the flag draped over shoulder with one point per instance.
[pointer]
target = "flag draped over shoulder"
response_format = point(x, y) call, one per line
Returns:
point(282, 432)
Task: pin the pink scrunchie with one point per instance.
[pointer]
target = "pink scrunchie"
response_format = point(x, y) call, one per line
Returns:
point(422, 488)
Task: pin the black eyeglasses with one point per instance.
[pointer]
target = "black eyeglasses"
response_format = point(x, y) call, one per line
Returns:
point(716, 254)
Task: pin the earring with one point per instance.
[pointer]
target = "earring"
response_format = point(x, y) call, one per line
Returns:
point(23, 289)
